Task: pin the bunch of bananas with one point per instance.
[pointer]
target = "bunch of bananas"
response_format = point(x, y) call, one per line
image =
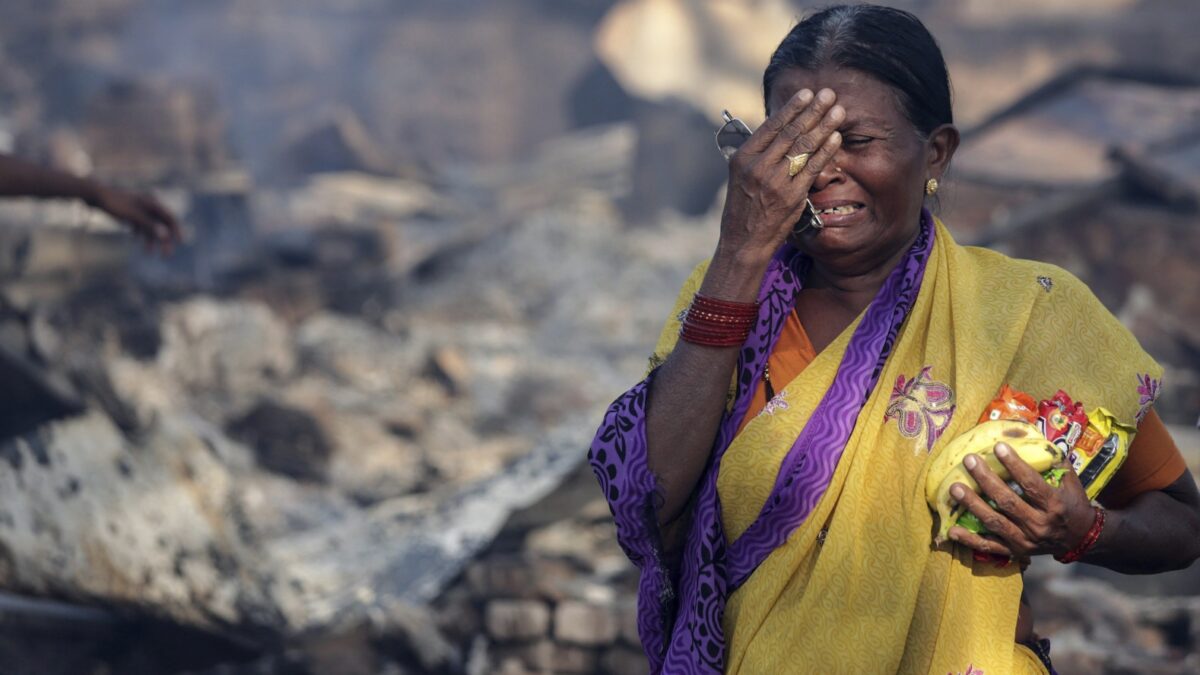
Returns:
point(947, 468)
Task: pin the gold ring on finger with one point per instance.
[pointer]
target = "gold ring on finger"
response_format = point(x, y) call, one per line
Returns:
point(796, 163)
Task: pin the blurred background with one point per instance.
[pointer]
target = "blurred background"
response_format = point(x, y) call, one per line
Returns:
point(342, 428)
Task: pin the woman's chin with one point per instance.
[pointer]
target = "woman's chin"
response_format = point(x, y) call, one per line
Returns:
point(844, 230)
point(833, 241)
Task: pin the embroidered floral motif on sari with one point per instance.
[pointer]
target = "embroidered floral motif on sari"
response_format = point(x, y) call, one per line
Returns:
point(1147, 394)
point(921, 406)
point(776, 404)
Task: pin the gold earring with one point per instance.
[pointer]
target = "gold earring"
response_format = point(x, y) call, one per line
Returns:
point(931, 186)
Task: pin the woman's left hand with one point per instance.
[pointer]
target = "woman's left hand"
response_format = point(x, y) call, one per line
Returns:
point(1053, 520)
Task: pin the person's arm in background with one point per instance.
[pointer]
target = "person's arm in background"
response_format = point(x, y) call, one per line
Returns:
point(143, 214)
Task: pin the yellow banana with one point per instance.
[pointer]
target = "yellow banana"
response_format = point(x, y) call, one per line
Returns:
point(1025, 440)
point(982, 436)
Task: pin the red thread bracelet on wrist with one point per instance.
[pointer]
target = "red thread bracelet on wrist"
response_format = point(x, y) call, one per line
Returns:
point(1089, 539)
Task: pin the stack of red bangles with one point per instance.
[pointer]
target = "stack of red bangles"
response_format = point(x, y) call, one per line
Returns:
point(1089, 540)
point(718, 323)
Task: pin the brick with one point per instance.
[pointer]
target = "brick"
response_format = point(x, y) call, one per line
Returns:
point(585, 623)
point(624, 661)
point(546, 655)
point(506, 576)
point(552, 576)
point(512, 666)
point(517, 576)
point(516, 619)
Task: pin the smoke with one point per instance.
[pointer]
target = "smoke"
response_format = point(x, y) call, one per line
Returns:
point(433, 82)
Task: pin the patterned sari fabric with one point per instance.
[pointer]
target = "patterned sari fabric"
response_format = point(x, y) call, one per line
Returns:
point(809, 542)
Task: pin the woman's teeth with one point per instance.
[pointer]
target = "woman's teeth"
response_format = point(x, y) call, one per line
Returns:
point(838, 210)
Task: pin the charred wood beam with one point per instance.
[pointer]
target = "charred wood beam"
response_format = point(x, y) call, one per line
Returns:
point(1150, 169)
point(1018, 222)
point(1066, 79)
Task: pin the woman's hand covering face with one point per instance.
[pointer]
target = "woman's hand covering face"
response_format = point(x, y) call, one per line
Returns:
point(763, 202)
point(1053, 520)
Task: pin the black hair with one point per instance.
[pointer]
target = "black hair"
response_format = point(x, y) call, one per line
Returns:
point(888, 44)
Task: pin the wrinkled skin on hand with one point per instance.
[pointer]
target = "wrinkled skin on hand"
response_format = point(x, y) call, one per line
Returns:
point(1053, 520)
point(763, 203)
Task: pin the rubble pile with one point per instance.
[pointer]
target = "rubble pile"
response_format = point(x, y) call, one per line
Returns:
point(342, 429)
point(318, 441)
point(554, 593)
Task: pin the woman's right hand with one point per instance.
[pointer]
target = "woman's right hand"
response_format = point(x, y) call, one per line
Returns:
point(762, 202)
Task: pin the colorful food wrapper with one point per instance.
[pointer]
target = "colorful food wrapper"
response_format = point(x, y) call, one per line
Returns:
point(1100, 451)
point(1011, 404)
point(1062, 421)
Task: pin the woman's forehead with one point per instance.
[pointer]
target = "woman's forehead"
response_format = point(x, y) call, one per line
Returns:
point(863, 96)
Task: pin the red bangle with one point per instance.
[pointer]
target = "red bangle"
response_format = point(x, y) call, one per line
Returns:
point(718, 323)
point(705, 303)
point(701, 316)
point(711, 338)
point(1089, 540)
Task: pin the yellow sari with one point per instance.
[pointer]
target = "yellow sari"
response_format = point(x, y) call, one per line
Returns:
point(875, 596)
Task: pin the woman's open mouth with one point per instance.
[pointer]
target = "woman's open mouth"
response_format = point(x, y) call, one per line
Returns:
point(839, 214)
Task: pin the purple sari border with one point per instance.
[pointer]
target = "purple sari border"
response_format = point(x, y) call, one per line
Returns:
point(619, 461)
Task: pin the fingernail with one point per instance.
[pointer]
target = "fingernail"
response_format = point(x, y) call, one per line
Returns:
point(805, 95)
point(825, 96)
point(957, 491)
point(969, 462)
point(1001, 450)
point(837, 112)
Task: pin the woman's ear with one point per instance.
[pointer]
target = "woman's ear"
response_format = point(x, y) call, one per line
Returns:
point(942, 144)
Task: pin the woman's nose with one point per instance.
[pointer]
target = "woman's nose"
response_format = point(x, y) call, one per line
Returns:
point(830, 173)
